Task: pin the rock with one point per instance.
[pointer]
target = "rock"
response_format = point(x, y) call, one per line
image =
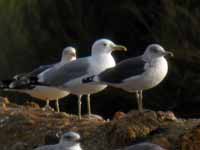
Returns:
point(191, 140)
point(119, 115)
point(166, 116)
point(32, 104)
point(29, 127)
point(19, 146)
point(134, 125)
point(4, 102)
point(52, 138)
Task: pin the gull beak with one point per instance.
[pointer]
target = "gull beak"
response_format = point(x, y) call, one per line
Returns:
point(168, 53)
point(119, 48)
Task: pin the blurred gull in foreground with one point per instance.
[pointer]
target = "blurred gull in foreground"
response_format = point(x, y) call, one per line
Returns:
point(41, 92)
point(69, 141)
point(144, 146)
point(136, 74)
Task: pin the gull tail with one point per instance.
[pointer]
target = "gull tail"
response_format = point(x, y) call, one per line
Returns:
point(26, 83)
point(7, 85)
point(20, 84)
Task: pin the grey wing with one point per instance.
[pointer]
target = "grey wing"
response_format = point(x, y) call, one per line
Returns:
point(39, 70)
point(123, 70)
point(33, 73)
point(67, 72)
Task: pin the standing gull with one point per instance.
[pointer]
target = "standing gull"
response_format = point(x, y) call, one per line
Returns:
point(69, 76)
point(42, 92)
point(68, 141)
point(136, 74)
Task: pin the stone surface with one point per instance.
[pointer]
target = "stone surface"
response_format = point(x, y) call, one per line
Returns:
point(26, 127)
point(191, 139)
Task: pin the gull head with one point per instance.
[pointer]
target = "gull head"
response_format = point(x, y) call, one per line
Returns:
point(68, 54)
point(154, 51)
point(105, 46)
point(70, 138)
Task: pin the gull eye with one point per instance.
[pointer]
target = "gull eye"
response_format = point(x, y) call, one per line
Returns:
point(105, 44)
point(154, 50)
point(68, 137)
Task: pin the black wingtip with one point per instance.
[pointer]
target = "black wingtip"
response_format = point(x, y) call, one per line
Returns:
point(88, 79)
point(34, 80)
point(24, 82)
point(5, 83)
point(19, 84)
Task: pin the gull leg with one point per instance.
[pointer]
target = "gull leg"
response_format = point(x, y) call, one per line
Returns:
point(57, 105)
point(88, 104)
point(140, 101)
point(79, 106)
point(47, 106)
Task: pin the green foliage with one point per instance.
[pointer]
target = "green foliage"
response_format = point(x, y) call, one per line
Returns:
point(34, 32)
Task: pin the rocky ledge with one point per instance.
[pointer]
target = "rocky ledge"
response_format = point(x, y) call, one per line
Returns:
point(26, 127)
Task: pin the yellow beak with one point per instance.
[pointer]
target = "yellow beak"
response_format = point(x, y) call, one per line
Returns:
point(119, 48)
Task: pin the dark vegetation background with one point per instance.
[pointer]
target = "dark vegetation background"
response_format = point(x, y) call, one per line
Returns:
point(34, 32)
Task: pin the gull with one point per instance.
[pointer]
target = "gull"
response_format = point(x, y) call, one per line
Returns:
point(136, 74)
point(68, 141)
point(144, 146)
point(44, 93)
point(69, 76)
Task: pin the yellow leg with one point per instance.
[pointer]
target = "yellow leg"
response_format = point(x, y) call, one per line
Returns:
point(47, 106)
point(57, 105)
point(140, 102)
point(79, 106)
point(88, 104)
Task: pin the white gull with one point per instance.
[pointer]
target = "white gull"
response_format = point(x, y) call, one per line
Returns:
point(136, 74)
point(68, 141)
point(69, 76)
point(40, 92)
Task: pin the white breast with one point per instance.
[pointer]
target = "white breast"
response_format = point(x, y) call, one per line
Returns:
point(75, 147)
point(158, 70)
point(100, 63)
point(44, 93)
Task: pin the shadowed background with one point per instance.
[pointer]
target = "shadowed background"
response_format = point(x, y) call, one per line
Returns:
point(34, 32)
